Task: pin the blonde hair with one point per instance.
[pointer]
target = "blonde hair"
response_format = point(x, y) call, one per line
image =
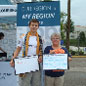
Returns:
point(56, 35)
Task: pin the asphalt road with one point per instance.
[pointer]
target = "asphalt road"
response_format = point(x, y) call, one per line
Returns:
point(76, 75)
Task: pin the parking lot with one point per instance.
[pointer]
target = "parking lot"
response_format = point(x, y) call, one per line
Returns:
point(76, 75)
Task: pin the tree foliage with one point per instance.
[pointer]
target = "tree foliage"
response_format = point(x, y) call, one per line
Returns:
point(82, 38)
point(63, 16)
point(71, 26)
point(64, 24)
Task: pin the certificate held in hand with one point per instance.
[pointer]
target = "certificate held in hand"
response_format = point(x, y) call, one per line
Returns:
point(55, 62)
point(24, 65)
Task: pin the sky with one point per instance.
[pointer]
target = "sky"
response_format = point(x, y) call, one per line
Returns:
point(78, 13)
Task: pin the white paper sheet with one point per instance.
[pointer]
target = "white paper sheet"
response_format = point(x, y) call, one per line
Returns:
point(55, 61)
point(24, 65)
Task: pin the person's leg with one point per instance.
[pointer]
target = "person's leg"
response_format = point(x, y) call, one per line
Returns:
point(59, 81)
point(49, 81)
point(25, 81)
point(36, 79)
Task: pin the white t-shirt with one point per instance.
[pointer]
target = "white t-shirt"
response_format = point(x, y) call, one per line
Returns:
point(32, 44)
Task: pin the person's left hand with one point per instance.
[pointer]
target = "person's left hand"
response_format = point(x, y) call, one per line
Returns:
point(70, 59)
point(40, 59)
point(12, 63)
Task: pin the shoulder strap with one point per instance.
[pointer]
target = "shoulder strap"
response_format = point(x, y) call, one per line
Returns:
point(41, 46)
point(24, 44)
point(40, 39)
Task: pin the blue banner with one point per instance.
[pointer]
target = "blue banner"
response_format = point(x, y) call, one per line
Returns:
point(48, 13)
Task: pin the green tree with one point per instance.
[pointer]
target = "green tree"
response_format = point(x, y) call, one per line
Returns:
point(71, 26)
point(82, 38)
point(64, 24)
point(63, 16)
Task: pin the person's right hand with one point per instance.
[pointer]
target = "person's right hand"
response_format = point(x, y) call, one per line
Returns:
point(52, 52)
point(12, 63)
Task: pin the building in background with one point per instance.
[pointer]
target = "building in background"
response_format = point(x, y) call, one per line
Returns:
point(77, 30)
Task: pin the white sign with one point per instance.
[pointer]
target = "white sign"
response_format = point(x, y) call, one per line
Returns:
point(55, 61)
point(8, 10)
point(24, 65)
point(7, 77)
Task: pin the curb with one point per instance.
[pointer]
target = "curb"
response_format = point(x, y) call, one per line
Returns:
point(78, 56)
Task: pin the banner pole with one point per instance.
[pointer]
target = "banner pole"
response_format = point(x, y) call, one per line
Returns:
point(42, 71)
point(43, 77)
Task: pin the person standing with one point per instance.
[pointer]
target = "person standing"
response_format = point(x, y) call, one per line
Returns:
point(32, 46)
point(2, 53)
point(55, 77)
point(1, 37)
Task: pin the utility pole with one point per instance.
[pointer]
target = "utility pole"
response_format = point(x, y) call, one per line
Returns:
point(68, 25)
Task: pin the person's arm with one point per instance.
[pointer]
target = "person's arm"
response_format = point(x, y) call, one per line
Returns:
point(69, 56)
point(18, 49)
point(52, 52)
point(47, 50)
point(40, 56)
point(70, 59)
point(2, 50)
